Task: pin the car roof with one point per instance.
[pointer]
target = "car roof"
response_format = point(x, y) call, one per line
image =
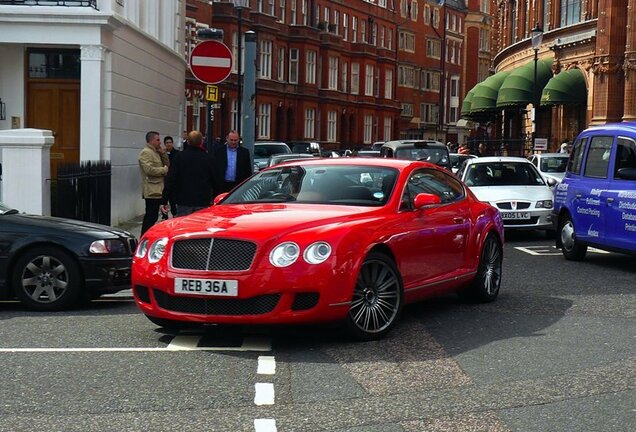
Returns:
point(399, 164)
point(411, 143)
point(540, 155)
point(269, 142)
point(613, 127)
point(493, 159)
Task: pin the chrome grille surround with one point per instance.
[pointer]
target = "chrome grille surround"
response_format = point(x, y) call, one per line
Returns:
point(212, 254)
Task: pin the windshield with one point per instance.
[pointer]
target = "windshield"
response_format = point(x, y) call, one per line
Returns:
point(346, 185)
point(554, 164)
point(264, 151)
point(503, 174)
point(433, 155)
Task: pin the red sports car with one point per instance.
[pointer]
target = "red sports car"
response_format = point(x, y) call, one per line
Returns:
point(351, 239)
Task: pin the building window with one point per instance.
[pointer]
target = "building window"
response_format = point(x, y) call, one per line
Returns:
point(389, 39)
point(484, 6)
point(388, 84)
point(430, 80)
point(345, 27)
point(363, 31)
point(310, 122)
point(454, 84)
point(429, 113)
point(303, 11)
point(406, 76)
point(266, 60)
point(196, 113)
point(281, 64)
point(374, 34)
point(292, 9)
point(368, 129)
point(336, 22)
point(406, 42)
point(376, 82)
point(368, 80)
point(264, 120)
point(293, 66)
point(407, 110)
point(233, 116)
point(333, 73)
point(427, 15)
point(386, 135)
point(484, 39)
point(281, 5)
point(310, 67)
point(570, 12)
point(382, 38)
point(331, 126)
point(355, 78)
point(433, 48)
point(344, 77)
point(354, 29)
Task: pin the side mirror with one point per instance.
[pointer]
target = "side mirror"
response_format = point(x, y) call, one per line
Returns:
point(627, 173)
point(219, 198)
point(426, 199)
point(551, 182)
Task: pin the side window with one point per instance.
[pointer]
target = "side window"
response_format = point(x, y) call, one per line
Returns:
point(625, 154)
point(598, 157)
point(574, 164)
point(433, 182)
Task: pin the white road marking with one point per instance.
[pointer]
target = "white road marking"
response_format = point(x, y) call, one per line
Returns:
point(264, 394)
point(265, 425)
point(220, 62)
point(256, 344)
point(550, 250)
point(266, 365)
point(180, 343)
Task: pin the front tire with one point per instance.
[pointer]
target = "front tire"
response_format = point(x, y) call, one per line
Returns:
point(377, 298)
point(47, 279)
point(571, 248)
point(485, 287)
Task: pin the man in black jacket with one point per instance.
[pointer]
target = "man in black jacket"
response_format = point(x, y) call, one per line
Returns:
point(190, 178)
point(232, 164)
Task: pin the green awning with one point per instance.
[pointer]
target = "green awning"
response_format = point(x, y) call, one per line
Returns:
point(518, 88)
point(466, 103)
point(485, 93)
point(567, 87)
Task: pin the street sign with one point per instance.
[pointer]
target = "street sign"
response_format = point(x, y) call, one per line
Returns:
point(540, 143)
point(211, 93)
point(211, 62)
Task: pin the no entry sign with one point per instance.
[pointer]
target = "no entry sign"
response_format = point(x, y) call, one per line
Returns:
point(211, 62)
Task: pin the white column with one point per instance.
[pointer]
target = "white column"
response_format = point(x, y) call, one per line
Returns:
point(26, 169)
point(92, 102)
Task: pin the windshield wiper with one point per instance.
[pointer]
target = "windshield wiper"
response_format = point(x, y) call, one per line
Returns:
point(12, 211)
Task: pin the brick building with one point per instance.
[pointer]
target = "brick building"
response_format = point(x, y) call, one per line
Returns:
point(346, 74)
point(585, 69)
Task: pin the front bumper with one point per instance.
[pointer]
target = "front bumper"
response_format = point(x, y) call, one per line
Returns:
point(539, 219)
point(106, 275)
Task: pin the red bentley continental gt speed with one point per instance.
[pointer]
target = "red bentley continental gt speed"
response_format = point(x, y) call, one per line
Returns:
point(351, 240)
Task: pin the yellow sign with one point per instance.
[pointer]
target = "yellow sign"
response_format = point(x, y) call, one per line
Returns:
point(212, 93)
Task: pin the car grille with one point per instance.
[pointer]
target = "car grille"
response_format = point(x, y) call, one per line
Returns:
point(511, 222)
point(213, 254)
point(508, 205)
point(217, 306)
point(142, 293)
point(304, 301)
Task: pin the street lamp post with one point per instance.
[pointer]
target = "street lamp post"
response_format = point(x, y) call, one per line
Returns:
point(536, 37)
point(240, 5)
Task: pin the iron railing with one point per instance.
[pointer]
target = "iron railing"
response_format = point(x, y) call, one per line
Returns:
point(67, 3)
point(82, 192)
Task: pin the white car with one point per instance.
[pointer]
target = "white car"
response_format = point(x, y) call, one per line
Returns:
point(515, 187)
point(550, 165)
point(457, 159)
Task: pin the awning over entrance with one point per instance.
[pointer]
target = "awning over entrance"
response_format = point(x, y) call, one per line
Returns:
point(518, 88)
point(567, 87)
point(485, 93)
point(467, 102)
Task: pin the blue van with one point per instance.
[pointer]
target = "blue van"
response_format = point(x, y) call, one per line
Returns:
point(595, 205)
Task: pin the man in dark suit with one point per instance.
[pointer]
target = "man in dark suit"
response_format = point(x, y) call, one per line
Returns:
point(232, 164)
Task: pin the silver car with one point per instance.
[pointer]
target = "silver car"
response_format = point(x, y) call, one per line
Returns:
point(550, 165)
point(263, 150)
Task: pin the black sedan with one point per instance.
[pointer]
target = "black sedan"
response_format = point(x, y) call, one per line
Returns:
point(52, 263)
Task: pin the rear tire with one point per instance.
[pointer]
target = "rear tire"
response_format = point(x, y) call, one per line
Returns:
point(571, 248)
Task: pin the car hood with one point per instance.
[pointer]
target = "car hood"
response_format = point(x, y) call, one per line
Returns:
point(34, 222)
point(512, 193)
point(262, 221)
point(558, 176)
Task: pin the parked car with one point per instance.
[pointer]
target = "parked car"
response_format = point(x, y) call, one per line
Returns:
point(280, 158)
point(52, 263)
point(321, 240)
point(423, 150)
point(595, 204)
point(263, 150)
point(514, 186)
point(550, 165)
point(311, 147)
point(456, 160)
point(377, 145)
point(366, 153)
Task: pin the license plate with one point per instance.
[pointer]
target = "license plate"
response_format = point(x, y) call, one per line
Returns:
point(515, 215)
point(209, 287)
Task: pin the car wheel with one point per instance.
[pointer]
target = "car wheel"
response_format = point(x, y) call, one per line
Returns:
point(485, 287)
point(377, 298)
point(47, 279)
point(571, 248)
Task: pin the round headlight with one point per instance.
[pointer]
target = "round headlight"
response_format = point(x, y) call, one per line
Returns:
point(142, 248)
point(317, 252)
point(285, 254)
point(157, 250)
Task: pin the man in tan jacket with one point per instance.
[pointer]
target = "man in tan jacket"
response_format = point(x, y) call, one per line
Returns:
point(153, 163)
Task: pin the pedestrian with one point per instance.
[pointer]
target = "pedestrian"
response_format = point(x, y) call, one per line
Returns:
point(184, 139)
point(190, 180)
point(168, 144)
point(153, 163)
point(565, 147)
point(232, 164)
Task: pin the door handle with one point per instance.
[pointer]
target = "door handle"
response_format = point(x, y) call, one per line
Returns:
point(458, 220)
point(610, 200)
point(578, 195)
